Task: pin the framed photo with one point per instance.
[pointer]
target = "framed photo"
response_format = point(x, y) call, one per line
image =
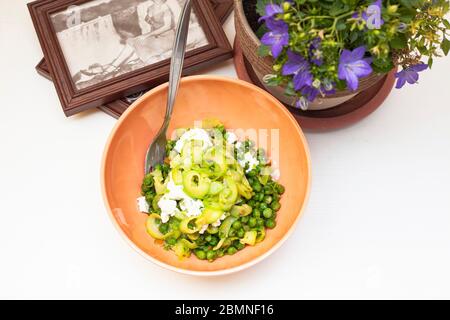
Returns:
point(222, 9)
point(99, 51)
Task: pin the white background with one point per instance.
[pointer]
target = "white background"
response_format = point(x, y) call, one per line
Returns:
point(377, 225)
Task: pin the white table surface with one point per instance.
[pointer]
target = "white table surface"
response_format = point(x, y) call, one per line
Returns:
point(377, 224)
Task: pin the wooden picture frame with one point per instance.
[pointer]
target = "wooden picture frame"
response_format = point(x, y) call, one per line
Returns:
point(222, 9)
point(75, 100)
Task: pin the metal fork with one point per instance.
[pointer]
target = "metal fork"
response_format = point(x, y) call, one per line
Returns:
point(157, 150)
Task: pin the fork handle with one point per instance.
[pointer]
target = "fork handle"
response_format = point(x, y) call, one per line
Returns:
point(177, 61)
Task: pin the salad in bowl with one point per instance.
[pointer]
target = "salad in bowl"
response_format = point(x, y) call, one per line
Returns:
point(213, 195)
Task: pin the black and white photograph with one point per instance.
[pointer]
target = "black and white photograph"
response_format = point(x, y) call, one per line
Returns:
point(103, 39)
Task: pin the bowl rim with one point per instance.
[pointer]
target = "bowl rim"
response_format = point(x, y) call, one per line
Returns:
point(217, 272)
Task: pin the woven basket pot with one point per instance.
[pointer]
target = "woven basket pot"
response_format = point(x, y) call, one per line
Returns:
point(250, 43)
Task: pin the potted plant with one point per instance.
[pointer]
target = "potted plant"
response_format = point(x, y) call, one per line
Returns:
point(318, 54)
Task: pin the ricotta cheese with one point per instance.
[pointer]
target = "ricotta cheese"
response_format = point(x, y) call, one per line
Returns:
point(231, 137)
point(196, 134)
point(249, 159)
point(143, 205)
point(169, 202)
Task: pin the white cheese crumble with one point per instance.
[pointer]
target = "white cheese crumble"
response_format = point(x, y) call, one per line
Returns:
point(231, 137)
point(219, 222)
point(143, 205)
point(203, 229)
point(168, 202)
point(249, 159)
point(168, 208)
point(194, 134)
point(215, 224)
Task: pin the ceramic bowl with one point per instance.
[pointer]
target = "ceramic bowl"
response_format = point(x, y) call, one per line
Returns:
point(238, 105)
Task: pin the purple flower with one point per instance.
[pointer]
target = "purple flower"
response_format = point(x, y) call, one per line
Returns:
point(299, 67)
point(352, 66)
point(311, 93)
point(402, 27)
point(302, 103)
point(410, 75)
point(277, 37)
point(372, 16)
point(271, 11)
point(315, 51)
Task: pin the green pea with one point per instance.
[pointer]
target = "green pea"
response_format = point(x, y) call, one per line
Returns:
point(200, 254)
point(213, 241)
point(276, 197)
point(280, 189)
point(220, 253)
point(145, 189)
point(256, 186)
point(268, 213)
point(239, 245)
point(271, 223)
point(244, 220)
point(260, 222)
point(149, 197)
point(268, 199)
point(171, 241)
point(260, 197)
point(262, 206)
point(165, 168)
point(237, 225)
point(200, 241)
point(231, 250)
point(210, 255)
point(251, 203)
point(256, 213)
point(268, 189)
point(208, 238)
point(276, 206)
point(252, 222)
point(252, 173)
point(148, 180)
point(164, 228)
point(240, 233)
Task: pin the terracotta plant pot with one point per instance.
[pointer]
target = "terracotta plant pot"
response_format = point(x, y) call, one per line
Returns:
point(250, 43)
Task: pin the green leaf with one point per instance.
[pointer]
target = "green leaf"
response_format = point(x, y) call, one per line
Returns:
point(430, 62)
point(411, 3)
point(382, 65)
point(341, 25)
point(341, 84)
point(446, 23)
point(399, 42)
point(290, 91)
point(261, 7)
point(263, 51)
point(445, 46)
point(261, 31)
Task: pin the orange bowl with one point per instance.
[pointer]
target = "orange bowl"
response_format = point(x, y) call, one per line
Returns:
point(238, 105)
